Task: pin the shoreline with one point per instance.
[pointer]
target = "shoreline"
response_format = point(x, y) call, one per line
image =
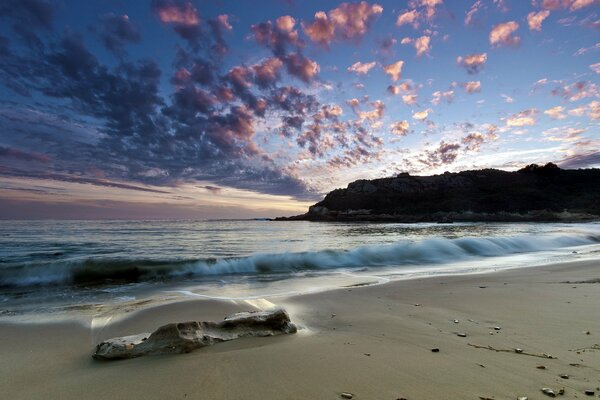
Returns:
point(372, 341)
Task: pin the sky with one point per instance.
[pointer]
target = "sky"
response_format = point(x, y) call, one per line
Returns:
point(238, 109)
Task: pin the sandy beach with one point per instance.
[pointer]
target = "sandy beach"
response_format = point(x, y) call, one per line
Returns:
point(373, 342)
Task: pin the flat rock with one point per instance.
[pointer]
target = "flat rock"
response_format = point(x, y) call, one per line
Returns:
point(183, 337)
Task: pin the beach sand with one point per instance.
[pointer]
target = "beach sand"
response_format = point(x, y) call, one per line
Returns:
point(374, 342)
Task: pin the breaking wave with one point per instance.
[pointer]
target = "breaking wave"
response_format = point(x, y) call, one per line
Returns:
point(95, 271)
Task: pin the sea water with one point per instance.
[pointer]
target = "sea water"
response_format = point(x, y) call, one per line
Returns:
point(65, 266)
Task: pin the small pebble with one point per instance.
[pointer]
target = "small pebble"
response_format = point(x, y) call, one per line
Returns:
point(435, 350)
point(461, 334)
point(564, 376)
point(548, 392)
point(417, 305)
point(518, 350)
point(497, 328)
point(587, 332)
point(589, 392)
point(541, 367)
point(368, 354)
point(561, 391)
point(346, 395)
point(522, 398)
point(456, 321)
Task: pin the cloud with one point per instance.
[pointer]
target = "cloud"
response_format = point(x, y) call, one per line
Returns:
point(572, 5)
point(470, 15)
point(301, 67)
point(535, 19)
point(594, 110)
point(22, 155)
point(563, 134)
point(445, 153)
point(422, 45)
point(523, 118)
point(185, 20)
point(31, 13)
point(584, 160)
point(595, 68)
point(473, 63)
point(471, 86)
point(346, 22)
point(507, 99)
point(400, 128)
point(375, 114)
point(556, 112)
point(285, 23)
point(204, 131)
point(577, 91)
point(584, 50)
point(394, 70)
point(361, 68)
point(181, 13)
point(422, 115)
point(267, 72)
point(438, 96)
point(502, 35)
point(408, 17)
point(117, 30)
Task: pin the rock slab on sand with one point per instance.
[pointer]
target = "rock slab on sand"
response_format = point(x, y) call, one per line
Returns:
point(184, 337)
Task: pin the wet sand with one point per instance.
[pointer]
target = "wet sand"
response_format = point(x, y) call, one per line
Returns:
point(374, 342)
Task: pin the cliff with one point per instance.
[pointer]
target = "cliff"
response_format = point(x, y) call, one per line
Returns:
point(534, 193)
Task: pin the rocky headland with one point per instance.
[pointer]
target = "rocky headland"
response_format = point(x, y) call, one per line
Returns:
point(534, 193)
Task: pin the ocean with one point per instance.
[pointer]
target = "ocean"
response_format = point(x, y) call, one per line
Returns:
point(52, 268)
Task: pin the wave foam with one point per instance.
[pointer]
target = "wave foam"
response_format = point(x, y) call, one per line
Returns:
point(430, 251)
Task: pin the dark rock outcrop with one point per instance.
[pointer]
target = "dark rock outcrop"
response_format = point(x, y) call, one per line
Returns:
point(534, 193)
point(184, 337)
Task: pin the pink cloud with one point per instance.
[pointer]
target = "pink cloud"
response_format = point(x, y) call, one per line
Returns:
point(394, 70)
point(502, 34)
point(523, 118)
point(285, 23)
point(422, 115)
point(184, 14)
point(361, 68)
point(473, 63)
point(472, 11)
point(595, 67)
point(572, 5)
point(577, 91)
point(375, 114)
point(472, 86)
point(535, 19)
point(223, 21)
point(302, 67)
point(400, 128)
point(438, 96)
point(267, 73)
point(556, 112)
point(348, 21)
point(422, 45)
point(409, 17)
